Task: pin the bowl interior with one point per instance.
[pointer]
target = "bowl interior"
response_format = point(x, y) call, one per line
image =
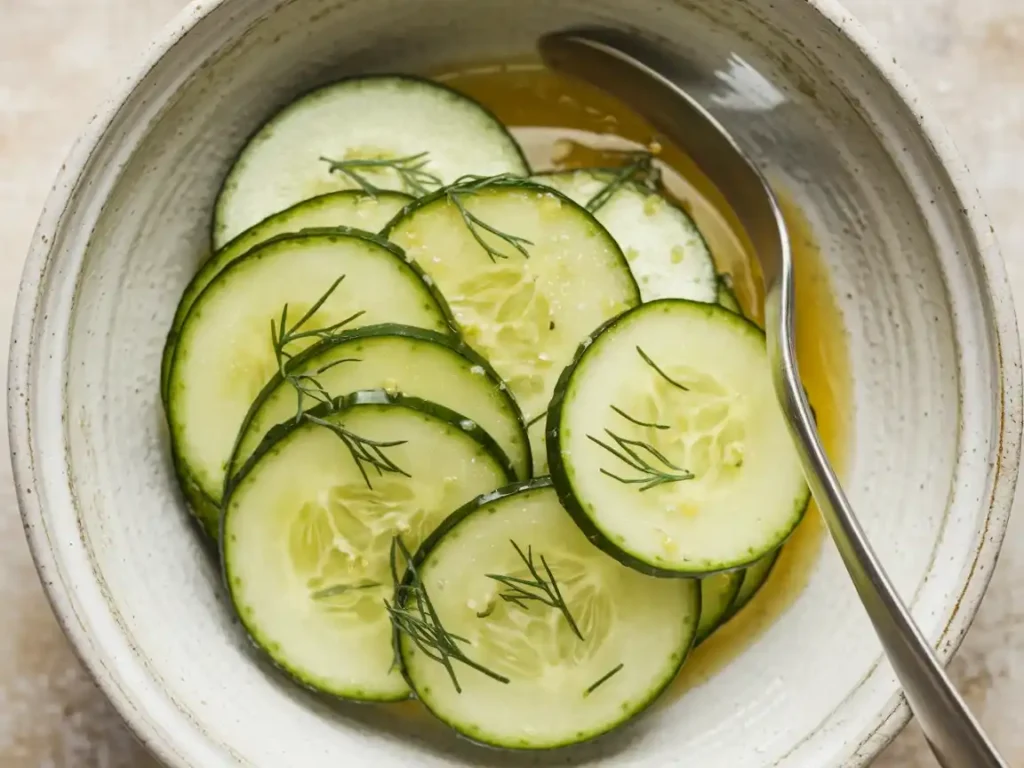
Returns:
point(926, 465)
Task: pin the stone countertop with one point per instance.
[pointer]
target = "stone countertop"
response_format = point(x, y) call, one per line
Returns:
point(59, 58)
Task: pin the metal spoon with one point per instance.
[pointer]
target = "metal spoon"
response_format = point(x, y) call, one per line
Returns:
point(637, 73)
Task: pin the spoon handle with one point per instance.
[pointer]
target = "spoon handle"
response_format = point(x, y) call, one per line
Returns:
point(953, 734)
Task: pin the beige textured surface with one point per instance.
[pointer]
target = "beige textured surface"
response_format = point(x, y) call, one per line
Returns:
point(58, 58)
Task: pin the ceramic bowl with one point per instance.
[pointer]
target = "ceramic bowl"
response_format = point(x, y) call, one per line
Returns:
point(933, 349)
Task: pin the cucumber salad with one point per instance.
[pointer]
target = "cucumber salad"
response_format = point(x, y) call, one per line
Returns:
point(494, 437)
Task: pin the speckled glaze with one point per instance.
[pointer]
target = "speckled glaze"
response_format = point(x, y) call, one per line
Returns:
point(933, 345)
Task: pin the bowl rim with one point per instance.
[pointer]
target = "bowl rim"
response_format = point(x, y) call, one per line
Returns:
point(67, 607)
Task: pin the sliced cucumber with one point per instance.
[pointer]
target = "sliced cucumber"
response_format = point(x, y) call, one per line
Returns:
point(336, 209)
point(668, 446)
point(717, 595)
point(225, 353)
point(726, 296)
point(433, 134)
point(666, 252)
point(636, 630)
point(754, 578)
point(308, 532)
point(534, 292)
point(425, 364)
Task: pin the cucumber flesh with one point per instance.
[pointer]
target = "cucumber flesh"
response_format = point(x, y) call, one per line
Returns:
point(425, 364)
point(666, 252)
point(708, 480)
point(636, 629)
point(717, 595)
point(307, 538)
point(372, 118)
point(225, 355)
point(337, 209)
point(525, 314)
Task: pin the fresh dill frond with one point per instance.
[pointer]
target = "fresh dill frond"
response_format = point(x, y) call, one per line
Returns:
point(641, 457)
point(646, 358)
point(341, 589)
point(410, 171)
point(638, 422)
point(521, 592)
point(639, 169)
point(470, 185)
point(363, 450)
point(602, 680)
point(414, 615)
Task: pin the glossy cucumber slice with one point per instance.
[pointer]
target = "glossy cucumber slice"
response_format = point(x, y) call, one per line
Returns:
point(351, 208)
point(308, 533)
point(429, 134)
point(667, 444)
point(528, 274)
point(536, 672)
point(426, 364)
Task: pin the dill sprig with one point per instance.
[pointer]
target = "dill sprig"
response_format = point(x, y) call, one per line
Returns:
point(536, 418)
point(341, 589)
point(638, 455)
point(413, 614)
point(602, 680)
point(538, 589)
point(640, 170)
point(638, 422)
point(470, 185)
point(646, 358)
point(364, 451)
point(413, 178)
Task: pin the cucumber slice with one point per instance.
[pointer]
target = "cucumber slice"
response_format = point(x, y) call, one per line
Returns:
point(432, 133)
point(337, 209)
point(307, 535)
point(225, 354)
point(425, 364)
point(717, 595)
point(561, 689)
point(666, 252)
point(668, 446)
point(754, 578)
point(524, 301)
point(726, 296)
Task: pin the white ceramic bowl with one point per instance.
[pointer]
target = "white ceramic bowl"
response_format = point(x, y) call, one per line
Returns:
point(933, 345)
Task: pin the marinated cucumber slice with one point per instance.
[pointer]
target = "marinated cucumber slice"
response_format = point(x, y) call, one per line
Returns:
point(225, 353)
point(549, 641)
point(665, 250)
point(528, 274)
point(308, 532)
point(726, 296)
point(336, 209)
point(425, 364)
point(667, 444)
point(754, 578)
point(381, 132)
point(717, 595)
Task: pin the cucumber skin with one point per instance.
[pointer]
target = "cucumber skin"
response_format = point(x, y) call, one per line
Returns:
point(498, 123)
point(370, 331)
point(726, 614)
point(181, 313)
point(451, 522)
point(363, 397)
point(739, 604)
point(560, 476)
